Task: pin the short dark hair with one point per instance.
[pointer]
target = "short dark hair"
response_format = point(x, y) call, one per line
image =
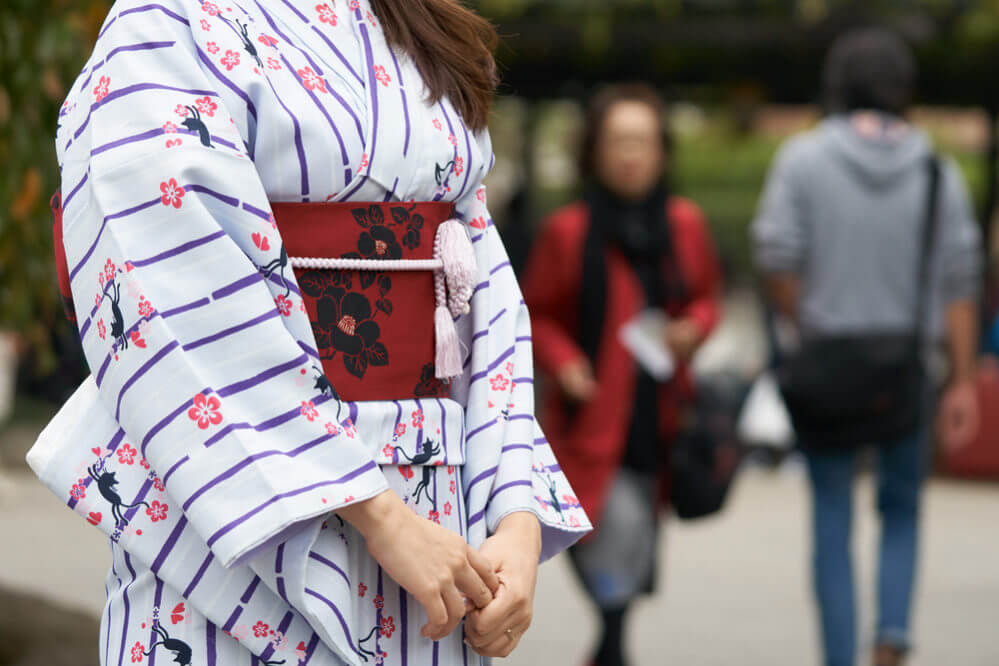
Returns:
point(596, 115)
point(870, 68)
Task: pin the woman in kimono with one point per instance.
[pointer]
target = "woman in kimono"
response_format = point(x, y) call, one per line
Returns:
point(597, 264)
point(309, 431)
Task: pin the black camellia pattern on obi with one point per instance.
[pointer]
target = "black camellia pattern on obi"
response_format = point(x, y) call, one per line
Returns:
point(344, 323)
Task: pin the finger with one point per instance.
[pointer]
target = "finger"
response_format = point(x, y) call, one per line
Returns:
point(436, 612)
point(485, 569)
point(504, 644)
point(471, 585)
point(489, 624)
point(455, 609)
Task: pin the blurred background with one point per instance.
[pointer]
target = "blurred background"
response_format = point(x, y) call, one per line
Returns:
point(740, 77)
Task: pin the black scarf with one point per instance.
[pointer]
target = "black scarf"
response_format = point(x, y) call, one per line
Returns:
point(642, 233)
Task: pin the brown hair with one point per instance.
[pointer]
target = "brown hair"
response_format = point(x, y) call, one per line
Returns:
point(599, 108)
point(452, 47)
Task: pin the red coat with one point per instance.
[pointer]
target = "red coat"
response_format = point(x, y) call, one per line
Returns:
point(591, 442)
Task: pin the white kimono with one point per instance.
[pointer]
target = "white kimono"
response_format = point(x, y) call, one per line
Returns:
point(201, 445)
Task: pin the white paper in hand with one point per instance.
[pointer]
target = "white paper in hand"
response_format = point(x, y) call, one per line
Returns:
point(645, 338)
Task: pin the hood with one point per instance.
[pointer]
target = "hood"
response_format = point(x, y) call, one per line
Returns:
point(878, 161)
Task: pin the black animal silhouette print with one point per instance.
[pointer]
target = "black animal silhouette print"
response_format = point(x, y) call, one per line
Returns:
point(279, 265)
point(181, 651)
point(428, 450)
point(442, 172)
point(362, 651)
point(552, 494)
point(324, 386)
point(194, 123)
point(117, 319)
point(106, 483)
point(248, 44)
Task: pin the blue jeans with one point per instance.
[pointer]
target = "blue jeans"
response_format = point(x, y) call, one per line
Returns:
point(901, 470)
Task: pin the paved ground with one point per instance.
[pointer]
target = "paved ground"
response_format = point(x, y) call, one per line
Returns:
point(735, 591)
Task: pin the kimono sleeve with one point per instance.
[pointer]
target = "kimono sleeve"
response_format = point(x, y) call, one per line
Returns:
point(208, 366)
point(509, 465)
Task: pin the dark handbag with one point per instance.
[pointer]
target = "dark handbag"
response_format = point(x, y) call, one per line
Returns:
point(844, 391)
point(707, 452)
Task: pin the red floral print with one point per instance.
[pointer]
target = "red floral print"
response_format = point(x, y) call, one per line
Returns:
point(354, 5)
point(453, 487)
point(109, 269)
point(78, 491)
point(159, 485)
point(157, 511)
point(211, 8)
point(361, 589)
point(406, 471)
point(284, 305)
point(350, 430)
point(172, 193)
point(434, 516)
point(169, 128)
point(205, 411)
point(400, 429)
point(309, 410)
point(450, 469)
point(311, 80)
point(437, 124)
point(447, 508)
point(267, 40)
point(371, 18)
point(382, 76)
point(509, 367)
point(388, 451)
point(364, 162)
point(260, 629)
point(273, 63)
point(212, 47)
point(480, 194)
point(206, 106)
point(231, 59)
point(144, 463)
point(205, 25)
point(573, 521)
point(326, 14)
point(418, 418)
point(101, 89)
point(331, 428)
point(499, 383)
point(138, 652)
point(452, 139)
point(126, 454)
point(145, 307)
point(180, 110)
point(379, 602)
point(459, 166)
point(101, 329)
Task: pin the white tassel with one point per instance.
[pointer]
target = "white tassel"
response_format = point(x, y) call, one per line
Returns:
point(448, 361)
point(458, 256)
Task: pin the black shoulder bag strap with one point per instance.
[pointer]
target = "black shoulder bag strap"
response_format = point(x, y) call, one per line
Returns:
point(930, 225)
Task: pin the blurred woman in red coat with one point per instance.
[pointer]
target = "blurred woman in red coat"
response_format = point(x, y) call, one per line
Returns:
point(627, 246)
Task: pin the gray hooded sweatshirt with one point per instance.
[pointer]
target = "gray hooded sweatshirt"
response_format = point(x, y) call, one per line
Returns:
point(844, 213)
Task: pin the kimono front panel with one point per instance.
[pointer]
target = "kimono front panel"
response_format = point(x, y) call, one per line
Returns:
point(201, 444)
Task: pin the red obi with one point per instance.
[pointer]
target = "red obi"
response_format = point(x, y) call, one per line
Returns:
point(374, 329)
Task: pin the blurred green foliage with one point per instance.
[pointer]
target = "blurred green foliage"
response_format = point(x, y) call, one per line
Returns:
point(42, 49)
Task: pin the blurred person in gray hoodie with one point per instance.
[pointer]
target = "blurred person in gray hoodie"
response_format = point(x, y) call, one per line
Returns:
point(838, 238)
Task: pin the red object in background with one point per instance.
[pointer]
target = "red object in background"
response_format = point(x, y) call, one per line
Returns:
point(62, 269)
point(590, 442)
point(980, 459)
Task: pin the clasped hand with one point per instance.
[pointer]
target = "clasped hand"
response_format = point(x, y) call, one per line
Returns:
point(493, 587)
